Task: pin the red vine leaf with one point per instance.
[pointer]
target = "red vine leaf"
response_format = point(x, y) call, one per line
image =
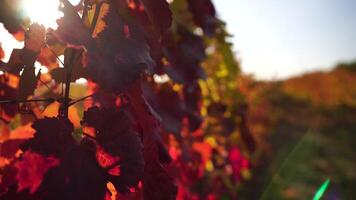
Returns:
point(78, 36)
point(204, 15)
point(35, 37)
point(108, 161)
point(53, 136)
point(157, 184)
point(184, 52)
point(8, 178)
point(8, 93)
point(115, 135)
point(28, 82)
point(47, 58)
point(121, 55)
point(162, 98)
point(18, 59)
point(192, 98)
point(15, 63)
point(159, 14)
point(8, 148)
point(78, 176)
point(118, 55)
point(31, 169)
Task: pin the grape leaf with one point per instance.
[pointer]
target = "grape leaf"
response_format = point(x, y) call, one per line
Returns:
point(78, 71)
point(154, 34)
point(8, 178)
point(54, 43)
point(162, 98)
point(8, 93)
point(34, 41)
point(108, 161)
point(157, 184)
point(159, 14)
point(78, 176)
point(53, 136)
point(47, 58)
point(10, 16)
point(204, 15)
point(31, 168)
point(121, 55)
point(115, 135)
point(28, 82)
point(246, 134)
point(15, 63)
point(18, 59)
point(78, 36)
point(13, 194)
point(192, 99)
point(35, 37)
point(184, 55)
point(116, 57)
point(8, 148)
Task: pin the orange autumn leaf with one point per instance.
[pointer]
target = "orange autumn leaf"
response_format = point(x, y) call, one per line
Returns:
point(74, 116)
point(45, 78)
point(5, 132)
point(35, 38)
point(204, 149)
point(13, 80)
point(31, 169)
point(100, 24)
point(2, 54)
point(4, 162)
point(112, 190)
point(47, 58)
point(19, 36)
point(22, 132)
point(52, 111)
point(106, 160)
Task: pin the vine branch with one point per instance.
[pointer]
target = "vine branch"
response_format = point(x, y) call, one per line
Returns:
point(16, 101)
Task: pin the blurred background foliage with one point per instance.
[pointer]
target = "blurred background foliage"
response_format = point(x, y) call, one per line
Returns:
point(310, 134)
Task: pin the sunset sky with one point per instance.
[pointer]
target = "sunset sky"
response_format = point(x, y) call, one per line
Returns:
point(279, 38)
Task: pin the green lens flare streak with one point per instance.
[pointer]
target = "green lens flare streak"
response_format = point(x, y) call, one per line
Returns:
point(321, 190)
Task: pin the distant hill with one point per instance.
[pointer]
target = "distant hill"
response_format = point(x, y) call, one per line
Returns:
point(335, 87)
point(306, 127)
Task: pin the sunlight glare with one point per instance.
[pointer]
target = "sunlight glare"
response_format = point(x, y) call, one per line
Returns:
point(44, 12)
point(8, 43)
point(39, 67)
point(81, 81)
point(160, 79)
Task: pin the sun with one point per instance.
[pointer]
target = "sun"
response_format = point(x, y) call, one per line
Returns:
point(44, 12)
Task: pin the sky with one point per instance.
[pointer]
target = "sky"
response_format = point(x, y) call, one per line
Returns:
point(276, 39)
point(273, 39)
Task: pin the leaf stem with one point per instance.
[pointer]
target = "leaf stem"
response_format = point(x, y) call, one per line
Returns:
point(68, 68)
